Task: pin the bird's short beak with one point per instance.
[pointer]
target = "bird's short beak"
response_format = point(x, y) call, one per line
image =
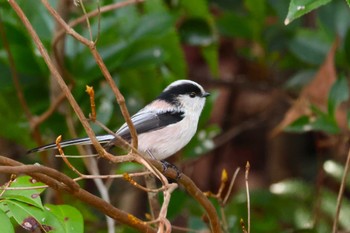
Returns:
point(206, 94)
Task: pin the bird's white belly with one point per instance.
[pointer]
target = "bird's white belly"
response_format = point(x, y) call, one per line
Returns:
point(168, 140)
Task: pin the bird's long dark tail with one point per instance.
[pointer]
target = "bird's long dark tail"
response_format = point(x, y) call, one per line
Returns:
point(78, 141)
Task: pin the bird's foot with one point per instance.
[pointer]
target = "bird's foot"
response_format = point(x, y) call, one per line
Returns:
point(166, 165)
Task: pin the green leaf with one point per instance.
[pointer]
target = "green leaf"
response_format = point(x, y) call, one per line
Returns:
point(300, 79)
point(328, 204)
point(324, 121)
point(150, 56)
point(257, 8)
point(310, 46)
point(339, 93)
point(292, 188)
point(234, 25)
point(325, 124)
point(32, 218)
point(302, 124)
point(151, 25)
point(210, 53)
point(69, 217)
point(298, 8)
point(335, 170)
point(6, 225)
point(196, 31)
point(28, 196)
point(198, 8)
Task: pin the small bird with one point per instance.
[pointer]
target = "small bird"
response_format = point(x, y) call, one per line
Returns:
point(164, 126)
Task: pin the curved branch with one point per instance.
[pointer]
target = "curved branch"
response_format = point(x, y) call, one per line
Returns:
point(195, 192)
point(52, 179)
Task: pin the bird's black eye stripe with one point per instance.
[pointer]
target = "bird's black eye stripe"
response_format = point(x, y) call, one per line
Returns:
point(174, 92)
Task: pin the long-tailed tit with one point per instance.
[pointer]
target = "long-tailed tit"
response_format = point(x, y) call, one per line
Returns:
point(164, 126)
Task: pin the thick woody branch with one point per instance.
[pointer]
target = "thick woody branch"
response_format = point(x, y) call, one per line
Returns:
point(62, 183)
point(195, 192)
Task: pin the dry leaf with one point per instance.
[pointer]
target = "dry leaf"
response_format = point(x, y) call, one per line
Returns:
point(316, 92)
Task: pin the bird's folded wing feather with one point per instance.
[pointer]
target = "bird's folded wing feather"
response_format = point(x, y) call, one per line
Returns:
point(143, 121)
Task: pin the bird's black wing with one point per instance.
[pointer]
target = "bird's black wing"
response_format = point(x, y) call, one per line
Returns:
point(146, 121)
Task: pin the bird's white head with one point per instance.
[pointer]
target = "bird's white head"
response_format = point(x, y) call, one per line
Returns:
point(186, 95)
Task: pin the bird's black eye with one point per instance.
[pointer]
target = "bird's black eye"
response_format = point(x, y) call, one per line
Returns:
point(193, 94)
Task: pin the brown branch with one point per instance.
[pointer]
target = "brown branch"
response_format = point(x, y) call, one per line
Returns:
point(247, 168)
point(40, 119)
point(91, 45)
point(94, 13)
point(195, 192)
point(55, 180)
point(341, 193)
point(30, 169)
point(58, 77)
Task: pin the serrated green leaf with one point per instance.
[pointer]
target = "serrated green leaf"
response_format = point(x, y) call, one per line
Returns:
point(339, 93)
point(32, 218)
point(6, 225)
point(29, 196)
point(69, 217)
point(298, 8)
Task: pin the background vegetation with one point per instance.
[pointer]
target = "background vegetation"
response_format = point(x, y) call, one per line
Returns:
point(278, 73)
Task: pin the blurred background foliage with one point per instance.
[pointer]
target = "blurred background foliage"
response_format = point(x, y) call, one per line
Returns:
point(264, 76)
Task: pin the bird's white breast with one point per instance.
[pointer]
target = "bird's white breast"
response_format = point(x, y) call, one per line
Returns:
point(167, 141)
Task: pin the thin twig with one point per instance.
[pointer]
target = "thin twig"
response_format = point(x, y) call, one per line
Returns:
point(247, 167)
point(231, 186)
point(66, 161)
point(137, 174)
point(91, 93)
point(340, 193)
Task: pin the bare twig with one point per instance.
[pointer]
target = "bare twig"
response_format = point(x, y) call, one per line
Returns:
point(241, 221)
point(91, 93)
point(7, 185)
point(247, 167)
point(59, 148)
point(340, 193)
point(231, 186)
